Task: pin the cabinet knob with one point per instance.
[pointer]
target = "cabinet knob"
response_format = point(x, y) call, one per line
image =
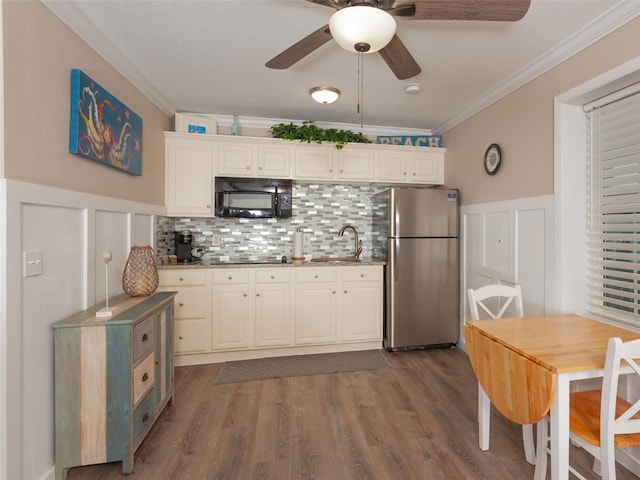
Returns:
point(208, 205)
point(245, 294)
point(315, 276)
point(145, 377)
point(257, 294)
point(362, 275)
point(404, 173)
point(145, 417)
point(259, 168)
point(181, 279)
point(414, 174)
point(230, 277)
point(273, 276)
point(145, 337)
point(345, 291)
point(181, 337)
point(333, 292)
point(181, 304)
point(248, 167)
point(341, 171)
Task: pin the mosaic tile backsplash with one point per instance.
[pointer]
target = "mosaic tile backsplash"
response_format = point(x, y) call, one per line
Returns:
point(319, 210)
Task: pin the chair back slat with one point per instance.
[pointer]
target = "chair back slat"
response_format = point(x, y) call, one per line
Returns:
point(505, 295)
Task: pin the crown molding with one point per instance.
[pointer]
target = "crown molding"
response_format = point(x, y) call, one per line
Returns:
point(609, 21)
point(73, 18)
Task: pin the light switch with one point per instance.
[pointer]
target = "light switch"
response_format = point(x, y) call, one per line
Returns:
point(32, 263)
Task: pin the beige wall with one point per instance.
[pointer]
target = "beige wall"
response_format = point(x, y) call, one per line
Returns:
point(522, 124)
point(39, 53)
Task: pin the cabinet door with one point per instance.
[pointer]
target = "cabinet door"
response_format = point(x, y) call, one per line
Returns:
point(426, 168)
point(356, 164)
point(231, 317)
point(234, 160)
point(274, 162)
point(313, 163)
point(392, 167)
point(164, 357)
point(191, 335)
point(316, 313)
point(273, 315)
point(190, 301)
point(189, 178)
point(361, 311)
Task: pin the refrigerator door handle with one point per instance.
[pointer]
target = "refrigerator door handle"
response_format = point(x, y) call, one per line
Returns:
point(395, 258)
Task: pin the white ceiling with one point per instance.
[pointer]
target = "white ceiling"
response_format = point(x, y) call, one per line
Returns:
point(208, 57)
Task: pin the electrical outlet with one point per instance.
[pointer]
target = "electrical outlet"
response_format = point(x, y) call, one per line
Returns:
point(215, 240)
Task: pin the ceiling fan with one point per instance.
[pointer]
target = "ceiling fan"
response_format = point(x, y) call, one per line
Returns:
point(395, 53)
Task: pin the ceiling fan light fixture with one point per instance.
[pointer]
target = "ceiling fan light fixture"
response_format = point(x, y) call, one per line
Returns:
point(362, 29)
point(324, 95)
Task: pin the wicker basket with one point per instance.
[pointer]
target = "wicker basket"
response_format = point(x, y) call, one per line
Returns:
point(140, 276)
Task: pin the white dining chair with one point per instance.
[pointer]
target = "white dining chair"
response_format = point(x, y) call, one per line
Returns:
point(494, 300)
point(600, 421)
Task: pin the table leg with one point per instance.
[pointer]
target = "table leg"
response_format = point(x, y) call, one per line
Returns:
point(484, 418)
point(560, 429)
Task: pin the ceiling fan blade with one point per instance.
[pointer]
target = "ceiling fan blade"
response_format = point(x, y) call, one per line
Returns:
point(337, 4)
point(489, 10)
point(301, 49)
point(403, 10)
point(400, 61)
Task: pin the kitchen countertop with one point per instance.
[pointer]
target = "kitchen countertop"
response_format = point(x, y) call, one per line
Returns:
point(324, 262)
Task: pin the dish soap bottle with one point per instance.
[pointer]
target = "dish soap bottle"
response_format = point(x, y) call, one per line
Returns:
point(234, 125)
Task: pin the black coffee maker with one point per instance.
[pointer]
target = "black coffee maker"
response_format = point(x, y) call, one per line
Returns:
point(183, 246)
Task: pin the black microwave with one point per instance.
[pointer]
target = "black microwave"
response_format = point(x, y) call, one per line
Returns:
point(252, 197)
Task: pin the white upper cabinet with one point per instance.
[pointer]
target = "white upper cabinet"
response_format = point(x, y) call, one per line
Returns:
point(193, 160)
point(313, 162)
point(420, 165)
point(189, 177)
point(239, 157)
point(355, 163)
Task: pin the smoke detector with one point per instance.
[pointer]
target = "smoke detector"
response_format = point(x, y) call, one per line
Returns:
point(412, 88)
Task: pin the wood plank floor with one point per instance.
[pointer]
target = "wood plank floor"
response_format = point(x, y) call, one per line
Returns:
point(416, 420)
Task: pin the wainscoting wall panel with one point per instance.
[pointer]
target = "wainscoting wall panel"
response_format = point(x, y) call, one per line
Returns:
point(70, 230)
point(508, 242)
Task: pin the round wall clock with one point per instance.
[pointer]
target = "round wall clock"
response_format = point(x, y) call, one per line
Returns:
point(492, 159)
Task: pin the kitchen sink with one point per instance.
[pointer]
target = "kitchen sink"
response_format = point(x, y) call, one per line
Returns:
point(333, 260)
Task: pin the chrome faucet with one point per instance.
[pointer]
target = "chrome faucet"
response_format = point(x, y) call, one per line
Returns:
point(357, 243)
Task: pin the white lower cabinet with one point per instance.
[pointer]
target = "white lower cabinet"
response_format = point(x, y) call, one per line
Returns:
point(227, 311)
point(361, 303)
point(231, 312)
point(273, 307)
point(316, 305)
point(191, 313)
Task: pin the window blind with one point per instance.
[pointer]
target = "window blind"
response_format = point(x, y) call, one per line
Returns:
point(613, 223)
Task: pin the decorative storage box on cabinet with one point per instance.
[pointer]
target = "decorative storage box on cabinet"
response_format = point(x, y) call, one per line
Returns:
point(113, 377)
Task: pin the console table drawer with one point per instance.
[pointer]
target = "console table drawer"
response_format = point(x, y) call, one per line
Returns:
point(143, 418)
point(143, 378)
point(143, 339)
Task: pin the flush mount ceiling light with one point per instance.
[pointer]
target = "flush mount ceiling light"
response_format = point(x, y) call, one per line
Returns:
point(362, 29)
point(324, 95)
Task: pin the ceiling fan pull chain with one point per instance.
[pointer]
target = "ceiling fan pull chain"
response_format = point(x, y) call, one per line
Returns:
point(361, 87)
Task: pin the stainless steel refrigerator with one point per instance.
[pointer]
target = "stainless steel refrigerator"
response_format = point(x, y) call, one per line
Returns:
point(416, 231)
